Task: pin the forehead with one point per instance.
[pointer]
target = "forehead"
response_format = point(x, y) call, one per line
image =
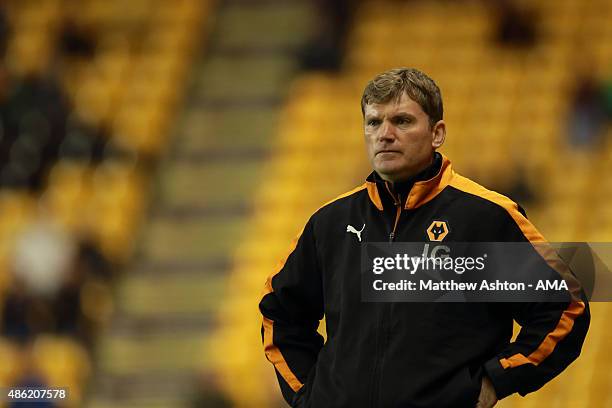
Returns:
point(395, 106)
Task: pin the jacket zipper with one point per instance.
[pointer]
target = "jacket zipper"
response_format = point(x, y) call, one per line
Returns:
point(398, 212)
point(382, 337)
point(377, 361)
point(397, 217)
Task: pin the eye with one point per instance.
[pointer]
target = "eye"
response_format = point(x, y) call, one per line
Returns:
point(403, 121)
point(373, 122)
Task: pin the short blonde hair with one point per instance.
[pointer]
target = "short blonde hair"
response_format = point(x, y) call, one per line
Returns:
point(392, 84)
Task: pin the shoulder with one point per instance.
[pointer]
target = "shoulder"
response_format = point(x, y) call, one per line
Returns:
point(480, 193)
point(492, 206)
point(341, 202)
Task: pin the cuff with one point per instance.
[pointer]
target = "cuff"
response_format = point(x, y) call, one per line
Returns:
point(501, 381)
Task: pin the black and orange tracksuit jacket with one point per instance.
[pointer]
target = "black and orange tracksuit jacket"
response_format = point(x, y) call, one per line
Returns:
point(408, 354)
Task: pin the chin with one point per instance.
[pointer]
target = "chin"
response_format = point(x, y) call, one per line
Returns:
point(387, 173)
point(388, 167)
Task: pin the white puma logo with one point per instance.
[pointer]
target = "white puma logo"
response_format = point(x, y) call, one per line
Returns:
point(350, 228)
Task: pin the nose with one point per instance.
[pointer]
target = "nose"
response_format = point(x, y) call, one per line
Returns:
point(386, 132)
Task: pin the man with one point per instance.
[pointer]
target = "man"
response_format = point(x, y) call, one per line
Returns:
point(408, 354)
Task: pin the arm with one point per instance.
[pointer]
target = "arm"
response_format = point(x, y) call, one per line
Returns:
point(550, 339)
point(292, 305)
point(551, 335)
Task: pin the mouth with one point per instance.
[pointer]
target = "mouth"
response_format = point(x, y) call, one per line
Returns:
point(386, 151)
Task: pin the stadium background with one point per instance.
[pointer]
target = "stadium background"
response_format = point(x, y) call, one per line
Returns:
point(158, 156)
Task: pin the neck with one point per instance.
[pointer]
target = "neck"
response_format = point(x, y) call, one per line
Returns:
point(413, 176)
point(403, 187)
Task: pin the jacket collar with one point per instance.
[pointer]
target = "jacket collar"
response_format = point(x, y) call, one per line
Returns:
point(421, 189)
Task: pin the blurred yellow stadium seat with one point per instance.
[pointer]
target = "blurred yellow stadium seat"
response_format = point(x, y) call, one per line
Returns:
point(11, 366)
point(63, 363)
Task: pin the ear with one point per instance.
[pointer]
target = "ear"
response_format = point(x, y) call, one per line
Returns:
point(439, 134)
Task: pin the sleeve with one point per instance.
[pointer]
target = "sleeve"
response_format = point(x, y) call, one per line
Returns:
point(292, 306)
point(552, 333)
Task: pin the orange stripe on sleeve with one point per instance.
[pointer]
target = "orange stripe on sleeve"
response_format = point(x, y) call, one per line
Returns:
point(273, 354)
point(563, 328)
point(576, 306)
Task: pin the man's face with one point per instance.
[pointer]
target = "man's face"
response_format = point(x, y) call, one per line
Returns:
point(399, 140)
